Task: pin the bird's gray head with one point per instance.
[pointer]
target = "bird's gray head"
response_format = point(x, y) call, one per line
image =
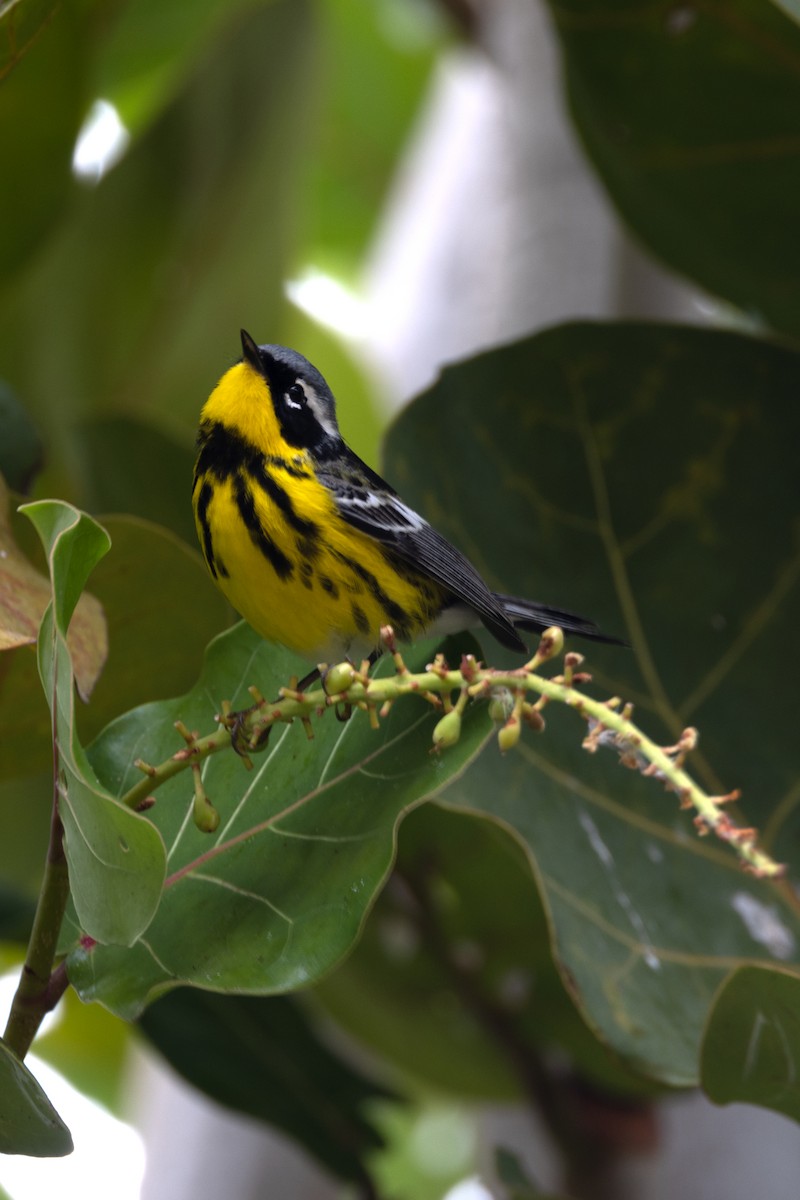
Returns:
point(304, 404)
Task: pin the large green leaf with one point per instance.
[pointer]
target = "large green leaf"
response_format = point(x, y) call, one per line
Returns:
point(42, 98)
point(262, 1056)
point(28, 1122)
point(691, 115)
point(647, 477)
point(278, 895)
point(751, 1049)
point(115, 857)
point(453, 980)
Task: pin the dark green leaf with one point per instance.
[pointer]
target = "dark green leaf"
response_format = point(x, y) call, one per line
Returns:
point(26, 747)
point(29, 1124)
point(20, 446)
point(279, 894)
point(41, 105)
point(263, 1057)
point(115, 857)
point(453, 980)
point(162, 610)
point(134, 467)
point(751, 1049)
point(691, 114)
point(16, 913)
point(26, 803)
point(646, 477)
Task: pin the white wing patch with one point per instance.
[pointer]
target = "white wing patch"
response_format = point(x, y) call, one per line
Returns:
point(388, 513)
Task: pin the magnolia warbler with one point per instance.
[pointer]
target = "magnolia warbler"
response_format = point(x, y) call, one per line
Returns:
point(310, 545)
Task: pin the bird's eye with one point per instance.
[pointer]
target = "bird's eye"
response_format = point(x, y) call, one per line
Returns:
point(295, 396)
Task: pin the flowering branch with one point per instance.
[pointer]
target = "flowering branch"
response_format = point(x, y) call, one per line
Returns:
point(345, 687)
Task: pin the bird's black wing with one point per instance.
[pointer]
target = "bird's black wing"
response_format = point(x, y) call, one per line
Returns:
point(367, 503)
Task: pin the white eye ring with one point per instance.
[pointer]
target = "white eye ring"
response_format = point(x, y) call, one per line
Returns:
point(295, 397)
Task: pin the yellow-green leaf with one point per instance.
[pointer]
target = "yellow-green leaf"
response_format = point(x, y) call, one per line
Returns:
point(115, 857)
point(24, 596)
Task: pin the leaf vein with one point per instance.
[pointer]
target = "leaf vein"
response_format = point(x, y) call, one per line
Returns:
point(201, 877)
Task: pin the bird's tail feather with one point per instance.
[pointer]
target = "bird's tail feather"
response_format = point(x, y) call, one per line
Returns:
point(527, 614)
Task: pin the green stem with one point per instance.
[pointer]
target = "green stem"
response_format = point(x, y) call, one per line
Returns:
point(40, 987)
point(154, 777)
point(473, 681)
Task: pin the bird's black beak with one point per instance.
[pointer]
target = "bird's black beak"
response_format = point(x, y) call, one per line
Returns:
point(250, 352)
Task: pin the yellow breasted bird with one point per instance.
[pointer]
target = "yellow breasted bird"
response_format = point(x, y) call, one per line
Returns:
point(310, 545)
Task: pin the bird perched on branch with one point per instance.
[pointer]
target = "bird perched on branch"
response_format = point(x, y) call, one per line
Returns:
point(311, 546)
